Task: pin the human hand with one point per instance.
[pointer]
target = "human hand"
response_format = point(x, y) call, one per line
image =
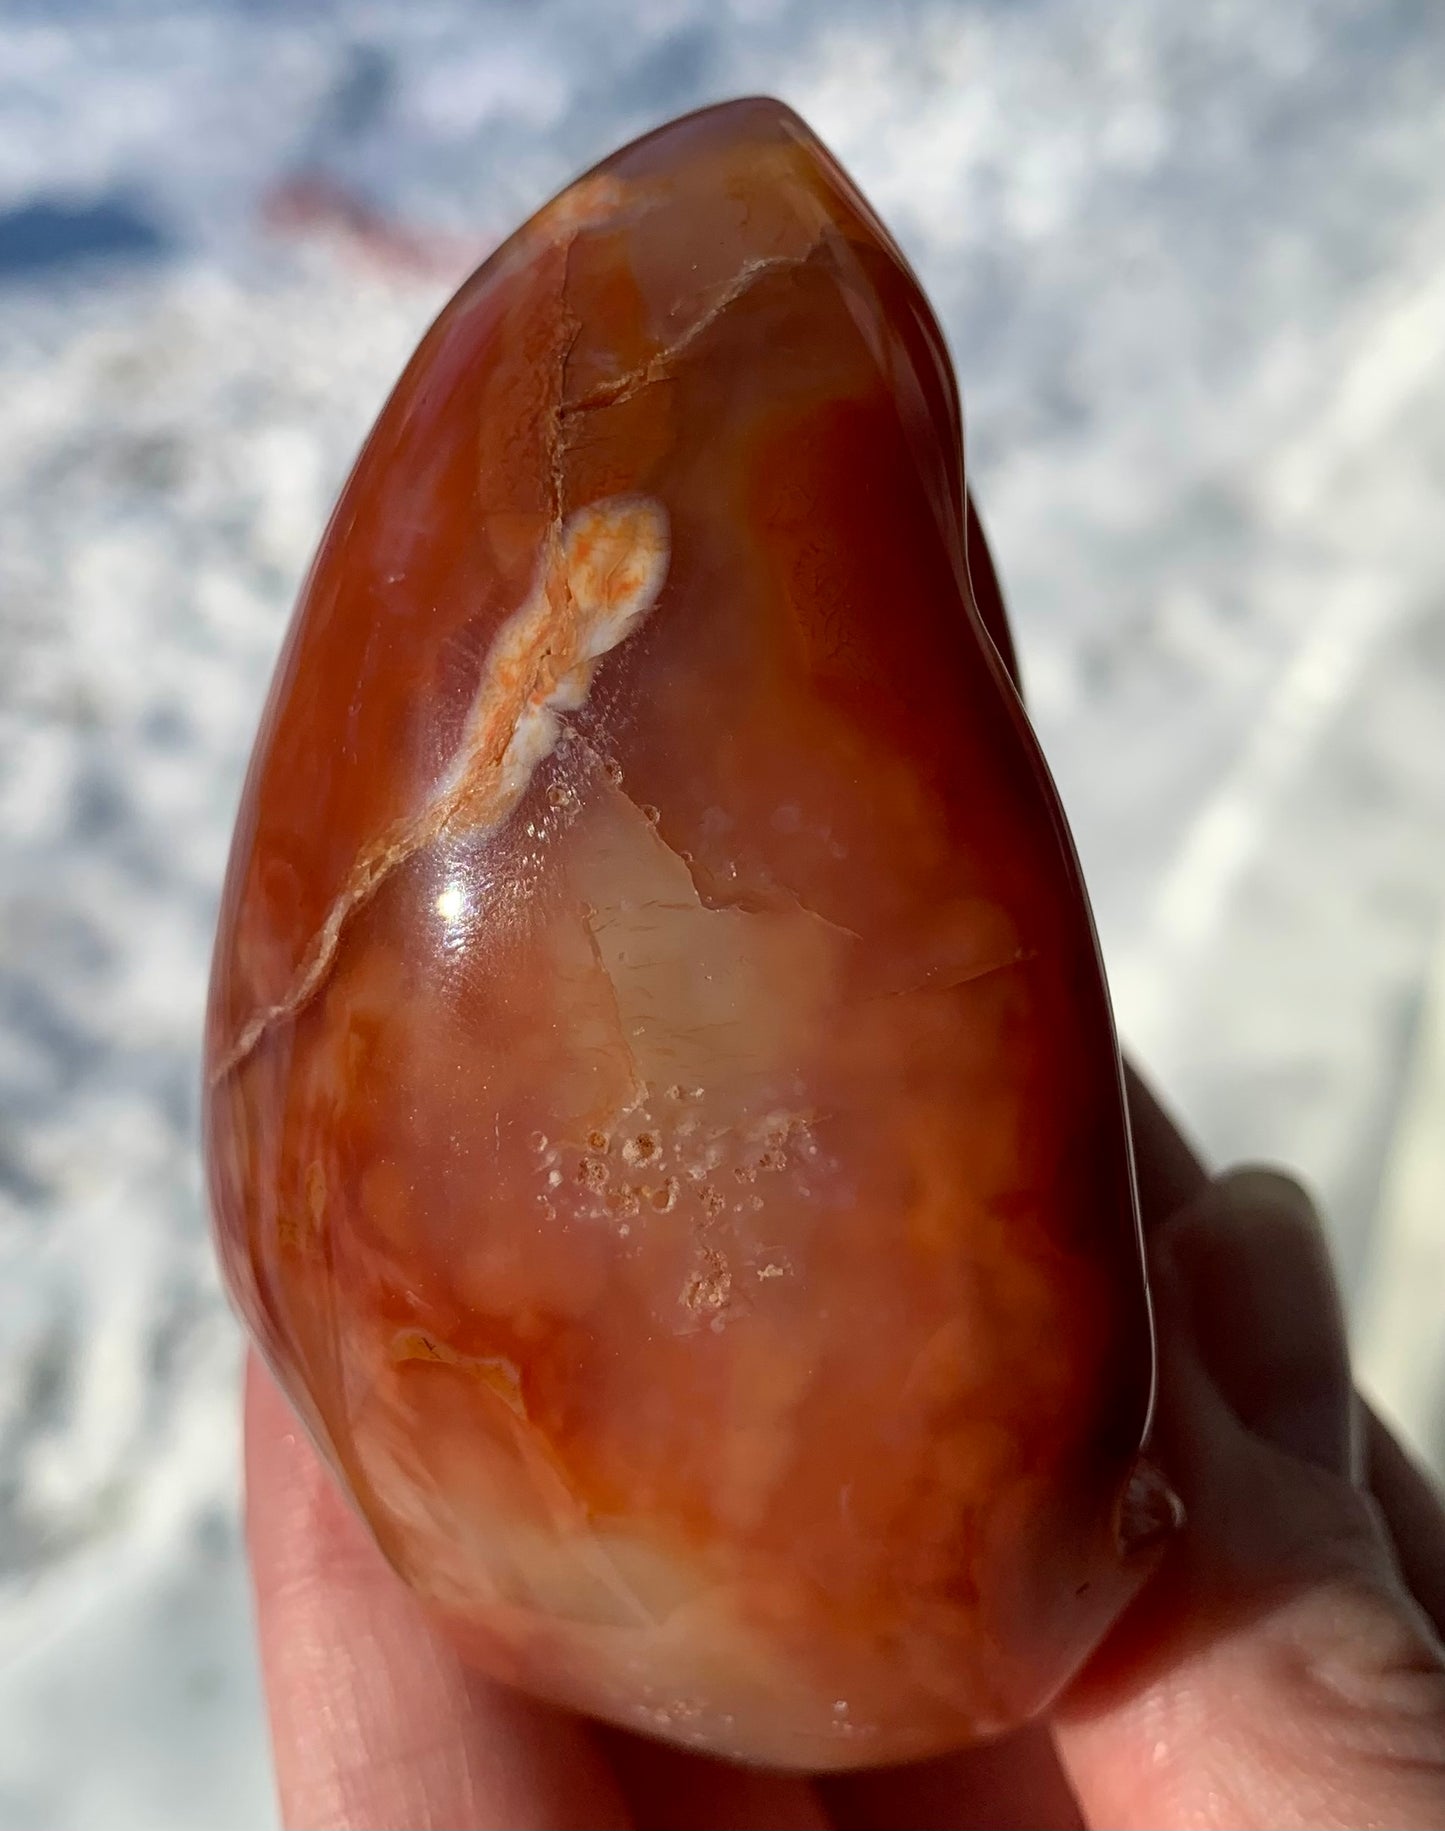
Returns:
point(1284, 1669)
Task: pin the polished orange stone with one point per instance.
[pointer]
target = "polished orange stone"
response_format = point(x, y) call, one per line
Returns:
point(664, 1120)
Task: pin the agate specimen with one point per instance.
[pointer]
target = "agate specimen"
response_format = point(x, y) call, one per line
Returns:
point(664, 1119)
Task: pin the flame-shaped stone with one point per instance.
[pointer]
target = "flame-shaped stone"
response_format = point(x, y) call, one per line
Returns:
point(664, 1120)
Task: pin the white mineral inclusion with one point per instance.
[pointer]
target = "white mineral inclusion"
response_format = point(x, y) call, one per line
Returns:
point(599, 578)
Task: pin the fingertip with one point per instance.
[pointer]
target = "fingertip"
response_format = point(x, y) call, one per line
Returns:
point(1413, 1507)
point(374, 1718)
point(1276, 1671)
point(272, 1438)
point(1246, 1270)
point(1266, 1188)
point(1168, 1169)
point(302, 1536)
point(1149, 1514)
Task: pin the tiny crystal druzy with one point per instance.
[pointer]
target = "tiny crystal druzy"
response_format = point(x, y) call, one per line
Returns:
point(664, 1120)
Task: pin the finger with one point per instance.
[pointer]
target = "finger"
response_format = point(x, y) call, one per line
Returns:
point(374, 1722)
point(670, 1789)
point(1278, 1672)
point(1415, 1515)
point(1008, 1785)
point(1267, 1317)
point(1171, 1176)
point(1167, 1168)
point(987, 595)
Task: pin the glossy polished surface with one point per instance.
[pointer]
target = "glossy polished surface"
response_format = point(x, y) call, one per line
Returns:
point(664, 1121)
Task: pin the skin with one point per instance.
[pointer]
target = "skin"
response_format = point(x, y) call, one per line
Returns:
point(1284, 1667)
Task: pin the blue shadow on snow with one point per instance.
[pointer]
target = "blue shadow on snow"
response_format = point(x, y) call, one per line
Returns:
point(44, 236)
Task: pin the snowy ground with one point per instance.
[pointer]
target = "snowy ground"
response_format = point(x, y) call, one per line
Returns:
point(1192, 261)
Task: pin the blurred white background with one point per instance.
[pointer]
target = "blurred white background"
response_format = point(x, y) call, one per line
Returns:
point(1192, 263)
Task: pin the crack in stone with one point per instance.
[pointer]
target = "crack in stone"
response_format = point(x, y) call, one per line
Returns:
point(779, 899)
point(624, 387)
point(640, 1088)
point(1020, 957)
point(745, 903)
point(599, 578)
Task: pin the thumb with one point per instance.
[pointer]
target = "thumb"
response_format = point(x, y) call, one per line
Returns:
point(1278, 1673)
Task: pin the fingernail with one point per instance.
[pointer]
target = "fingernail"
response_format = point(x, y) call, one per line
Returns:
point(1267, 1314)
point(1149, 1510)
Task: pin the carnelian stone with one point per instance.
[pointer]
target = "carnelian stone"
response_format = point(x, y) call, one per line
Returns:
point(664, 1120)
